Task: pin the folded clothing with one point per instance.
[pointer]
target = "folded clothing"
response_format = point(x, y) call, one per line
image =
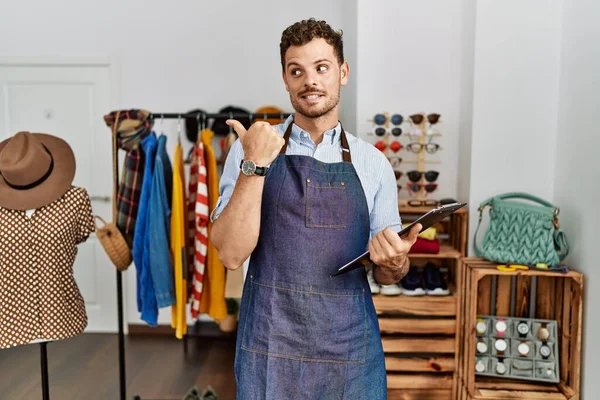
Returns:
point(425, 246)
point(428, 234)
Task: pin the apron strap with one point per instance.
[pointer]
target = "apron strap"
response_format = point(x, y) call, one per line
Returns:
point(345, 147)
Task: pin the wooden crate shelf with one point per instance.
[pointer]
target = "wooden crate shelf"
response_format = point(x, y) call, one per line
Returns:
point(419, 394)
point(419, 381)
point(444, 345)
point(436, 326)
point(421, 334)
point(430, 306)
point(559, 297)
point(418, 364)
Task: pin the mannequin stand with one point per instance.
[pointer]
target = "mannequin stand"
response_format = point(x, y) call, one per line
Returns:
point(44, 367)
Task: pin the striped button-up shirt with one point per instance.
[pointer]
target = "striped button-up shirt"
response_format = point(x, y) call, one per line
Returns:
point(373, 168)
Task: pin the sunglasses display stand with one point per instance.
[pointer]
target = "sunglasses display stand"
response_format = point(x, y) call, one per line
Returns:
point(388, 130)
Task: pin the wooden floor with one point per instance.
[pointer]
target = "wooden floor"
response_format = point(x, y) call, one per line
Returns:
point(86, 368)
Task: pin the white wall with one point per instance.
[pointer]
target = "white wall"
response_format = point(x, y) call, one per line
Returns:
point(348, 101)
point(465, 116)
point(410, 57)
point(515, 99)
point(172, 56)
point(576, 187)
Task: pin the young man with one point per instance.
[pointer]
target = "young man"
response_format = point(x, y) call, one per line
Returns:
point(325, 197)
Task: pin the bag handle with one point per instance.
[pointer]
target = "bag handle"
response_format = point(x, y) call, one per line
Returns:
point(475, 245)
point(518, 195)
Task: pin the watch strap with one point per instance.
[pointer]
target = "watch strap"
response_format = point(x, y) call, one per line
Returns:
point(260, 171)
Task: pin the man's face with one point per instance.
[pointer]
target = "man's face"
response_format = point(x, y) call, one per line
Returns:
point(313, 78)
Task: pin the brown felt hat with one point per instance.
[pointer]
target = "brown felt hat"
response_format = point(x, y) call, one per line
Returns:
point(35, 170)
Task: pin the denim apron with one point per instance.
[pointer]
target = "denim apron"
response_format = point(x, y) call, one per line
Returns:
point(303, 334)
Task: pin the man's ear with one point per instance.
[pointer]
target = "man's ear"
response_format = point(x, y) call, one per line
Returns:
point(344, 73)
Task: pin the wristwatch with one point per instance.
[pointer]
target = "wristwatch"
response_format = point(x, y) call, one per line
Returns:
point(523, 329)
point(250, 168)
point(545, 351)
point(480, 366)
point(482, 347)
point(544, 332)
point(481, 326)
point(500, 346)
point(500, 368)
point(523, 349)
point(500, 327)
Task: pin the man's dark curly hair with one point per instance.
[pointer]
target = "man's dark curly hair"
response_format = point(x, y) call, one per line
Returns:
point(304, 31)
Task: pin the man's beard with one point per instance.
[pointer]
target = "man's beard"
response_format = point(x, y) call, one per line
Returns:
point(315, 112)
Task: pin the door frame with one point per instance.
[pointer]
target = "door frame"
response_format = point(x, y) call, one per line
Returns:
point(110, 61)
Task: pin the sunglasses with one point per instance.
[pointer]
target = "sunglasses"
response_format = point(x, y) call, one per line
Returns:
point(417, 147)
point(418, 118)
point(423, 203)
point(380, 131)
point(396, 119)
point(430, 203)
point(398, 174)
point(430, 176)
point(394, 146)
point(415, 187)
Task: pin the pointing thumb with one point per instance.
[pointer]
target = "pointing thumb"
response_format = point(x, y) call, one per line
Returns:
point(237, 127)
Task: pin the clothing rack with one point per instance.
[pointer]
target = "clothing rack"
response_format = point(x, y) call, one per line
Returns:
point(201, 116)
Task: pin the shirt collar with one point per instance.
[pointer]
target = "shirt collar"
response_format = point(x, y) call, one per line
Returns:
point(332, 136)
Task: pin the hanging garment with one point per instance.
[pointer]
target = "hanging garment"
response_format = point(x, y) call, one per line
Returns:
point(178, 245)
point(133, 126)
point(39, 297)
point(159, 227)
point(305, 334)
point(198, 220)
point(213, 291)
point(146, 297)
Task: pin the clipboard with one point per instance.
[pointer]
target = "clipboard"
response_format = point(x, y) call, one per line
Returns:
point(427, 220)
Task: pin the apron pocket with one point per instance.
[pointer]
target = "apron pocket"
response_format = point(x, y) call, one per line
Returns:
point(306, 325)
point(326, 204)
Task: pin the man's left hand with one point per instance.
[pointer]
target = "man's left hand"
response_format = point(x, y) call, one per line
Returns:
point(389, 253)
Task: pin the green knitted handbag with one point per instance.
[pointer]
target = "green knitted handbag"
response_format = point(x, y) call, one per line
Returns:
point(520, 232)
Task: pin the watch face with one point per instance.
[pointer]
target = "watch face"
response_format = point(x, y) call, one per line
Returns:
point(248, 167)
point(543, 334)
point(523, 349)
point(500, 326)
point(481, 347)
point(545, 351)
point(481, 327)
point(501, 368)
point(501, 345)
point(480, 366)
point(523, 328)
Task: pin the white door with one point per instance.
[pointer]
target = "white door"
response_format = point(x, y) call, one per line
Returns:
point(69, 101)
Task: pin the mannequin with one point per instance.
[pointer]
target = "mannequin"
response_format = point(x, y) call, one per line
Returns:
point(40, 301)
point(43, 218)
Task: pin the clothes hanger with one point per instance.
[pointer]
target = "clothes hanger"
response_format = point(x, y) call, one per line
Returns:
point(179, 129)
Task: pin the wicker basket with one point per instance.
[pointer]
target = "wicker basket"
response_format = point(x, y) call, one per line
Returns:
point(114, 244)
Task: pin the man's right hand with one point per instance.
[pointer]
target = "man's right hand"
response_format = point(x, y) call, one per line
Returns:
point(261, 143)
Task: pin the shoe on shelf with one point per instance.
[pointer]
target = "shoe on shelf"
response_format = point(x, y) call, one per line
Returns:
point(375, 287)
point(435, 284)
point(391, 290)
point(412, 284)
